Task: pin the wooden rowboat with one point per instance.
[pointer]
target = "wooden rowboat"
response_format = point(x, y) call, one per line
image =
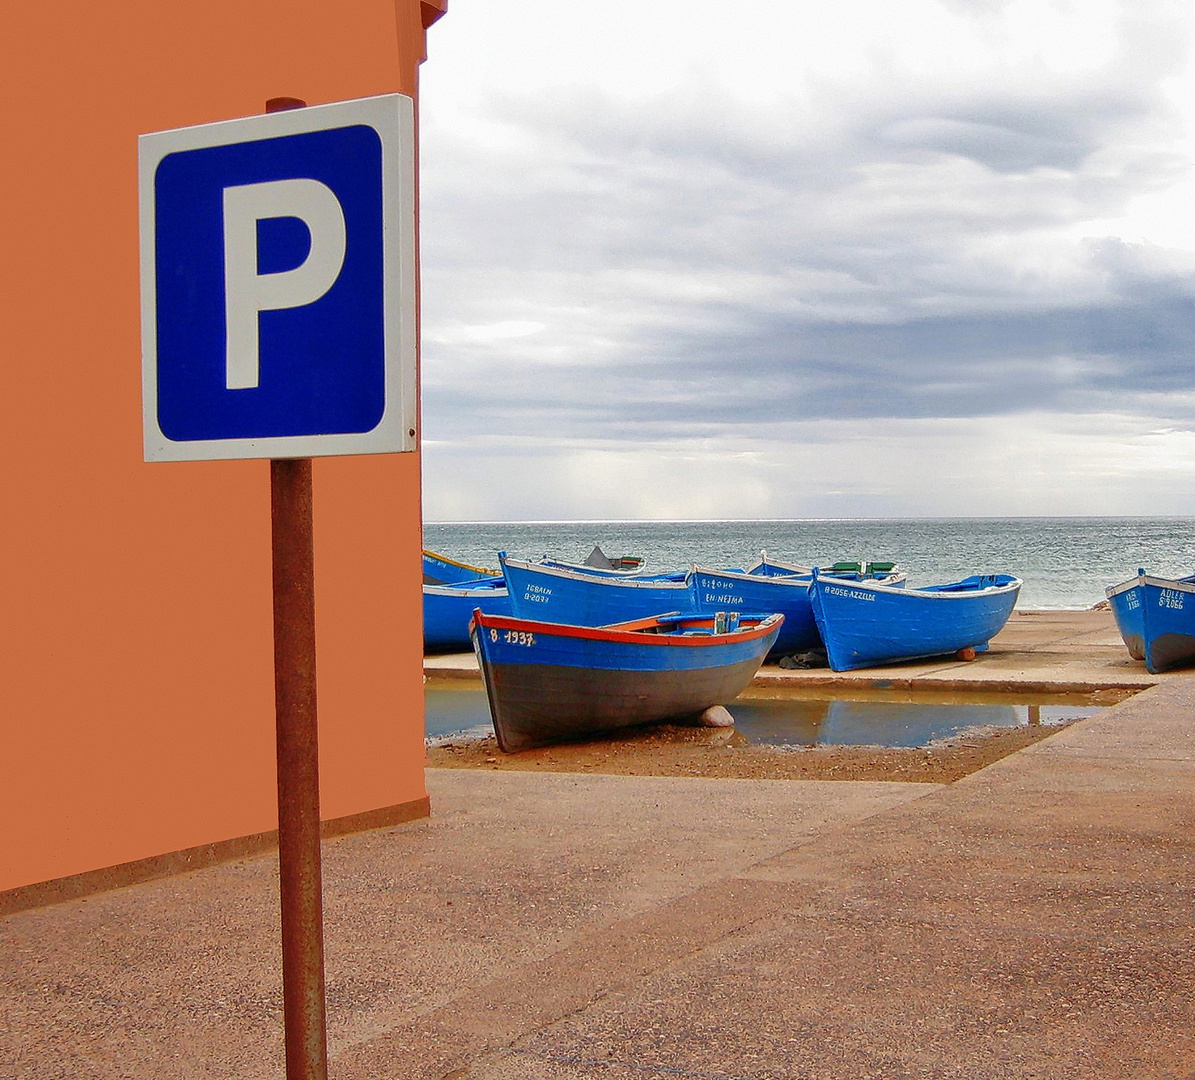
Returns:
point(549, 683)
point(447, 610)
point(441, 570)
point(1156, 619)
point(865, 624)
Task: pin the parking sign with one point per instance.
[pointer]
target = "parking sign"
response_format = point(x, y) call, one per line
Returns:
point(278, 284)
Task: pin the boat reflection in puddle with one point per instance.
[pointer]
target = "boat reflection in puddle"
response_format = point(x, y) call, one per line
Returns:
point(455, 708)
point(461, 711)
point(785, 722)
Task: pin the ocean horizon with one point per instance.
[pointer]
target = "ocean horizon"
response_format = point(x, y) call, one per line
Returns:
point(1065, 562)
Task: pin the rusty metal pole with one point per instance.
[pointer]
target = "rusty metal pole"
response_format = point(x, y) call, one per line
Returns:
point(298, 759)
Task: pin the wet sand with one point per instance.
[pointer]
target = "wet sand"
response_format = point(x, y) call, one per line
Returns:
point(669, 750)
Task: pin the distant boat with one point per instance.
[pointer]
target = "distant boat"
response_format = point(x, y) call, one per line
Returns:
point(550, 683)
point(447, 610)
point(441, 570)
point(1156, 619)
point(597, 562)
point(866, 624)
point(597, 559)
point(598, 572)
point(766, 567)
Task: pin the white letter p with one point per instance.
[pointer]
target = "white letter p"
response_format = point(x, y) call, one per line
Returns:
point(246, 292)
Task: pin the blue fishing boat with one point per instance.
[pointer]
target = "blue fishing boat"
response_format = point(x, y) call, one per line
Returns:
point(1125, 601)
point(866, 624)
point(765, 567)
point(447, 610)
point(441, 570)
point(550, 683)
point(1156, 619)
point(577, 597)
point(598, 561)
point(788, 594)
point(630, 570)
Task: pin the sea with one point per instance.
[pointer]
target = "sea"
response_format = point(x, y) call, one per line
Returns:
point(1065, 563)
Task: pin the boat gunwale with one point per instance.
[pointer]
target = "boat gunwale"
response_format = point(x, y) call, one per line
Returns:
point(615, 572)
point(1176, 584)
point(1125, 586)
point(1183, 584)
point(792, 569)
point(682, 584)
point(555, 570)
point(929, 593)
point(483, 571)
point(494, 587)
point(622, 634)
point(797, 580)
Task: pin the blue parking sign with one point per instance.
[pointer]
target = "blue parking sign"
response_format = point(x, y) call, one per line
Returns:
point(278, 284)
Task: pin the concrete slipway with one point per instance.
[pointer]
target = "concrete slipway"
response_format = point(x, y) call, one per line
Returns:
point(1031, 920)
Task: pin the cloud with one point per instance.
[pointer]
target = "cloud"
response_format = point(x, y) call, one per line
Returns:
point(927, 224)
point(1033, 463)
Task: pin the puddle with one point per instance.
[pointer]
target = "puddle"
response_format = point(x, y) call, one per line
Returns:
point(450, 709)
point(873, 718)
point(884, 723)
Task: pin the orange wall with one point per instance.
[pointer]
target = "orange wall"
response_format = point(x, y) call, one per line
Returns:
point(136, 679)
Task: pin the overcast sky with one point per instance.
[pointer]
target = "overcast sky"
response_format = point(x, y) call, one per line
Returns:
point(808, 258)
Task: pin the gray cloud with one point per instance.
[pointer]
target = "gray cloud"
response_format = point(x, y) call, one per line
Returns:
point(1067, 360)
point(888, 206)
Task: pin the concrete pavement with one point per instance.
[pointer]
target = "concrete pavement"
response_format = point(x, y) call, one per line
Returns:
point(1031, 920)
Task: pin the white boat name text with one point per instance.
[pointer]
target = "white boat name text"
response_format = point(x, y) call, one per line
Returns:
point(514, 637)
point(853, 594)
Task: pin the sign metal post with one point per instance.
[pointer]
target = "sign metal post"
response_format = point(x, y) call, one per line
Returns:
point(299, 867)
point(299, 872)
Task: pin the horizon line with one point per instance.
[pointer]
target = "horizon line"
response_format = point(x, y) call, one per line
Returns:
point(801, 520)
